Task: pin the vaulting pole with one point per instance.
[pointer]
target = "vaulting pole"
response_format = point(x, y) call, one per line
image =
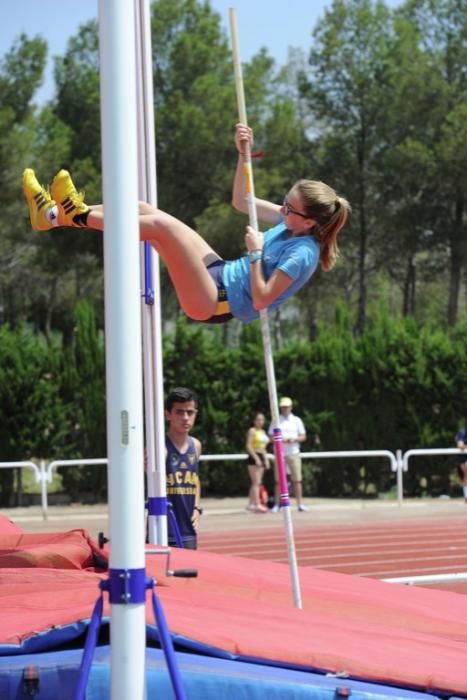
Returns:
point(268, 358)
point(127, 590)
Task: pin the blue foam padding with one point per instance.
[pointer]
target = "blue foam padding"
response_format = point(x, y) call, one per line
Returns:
point(203, 677)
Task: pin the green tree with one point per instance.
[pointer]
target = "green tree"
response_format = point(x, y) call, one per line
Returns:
point(425, 154)
point(21, 72)
point(442, 30)
point(34, 418)
point(77, 95)
point(83, 387)
point(346, 94)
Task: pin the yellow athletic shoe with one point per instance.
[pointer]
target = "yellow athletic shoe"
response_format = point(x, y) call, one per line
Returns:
point(39, 201)
point(70, 201)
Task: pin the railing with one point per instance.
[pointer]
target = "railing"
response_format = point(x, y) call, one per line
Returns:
point(395, 463)
point(38, 472)
point(52, 466)
point(434, 451)
point(399, 463)
point(24, 465)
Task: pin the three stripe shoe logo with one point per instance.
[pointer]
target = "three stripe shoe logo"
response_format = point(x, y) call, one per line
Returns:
point(40, 200)
point(68, 205)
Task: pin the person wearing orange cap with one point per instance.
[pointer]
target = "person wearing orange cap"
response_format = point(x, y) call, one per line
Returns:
point(293, 433)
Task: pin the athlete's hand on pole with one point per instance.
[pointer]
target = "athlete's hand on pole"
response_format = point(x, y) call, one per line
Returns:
point(253, 239)
point(243, 136)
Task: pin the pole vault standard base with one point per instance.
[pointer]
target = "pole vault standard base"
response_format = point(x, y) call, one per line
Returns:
point(126, 587)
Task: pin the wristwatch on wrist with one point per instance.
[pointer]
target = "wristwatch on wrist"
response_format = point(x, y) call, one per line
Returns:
point(200, 510)
point(255, 255)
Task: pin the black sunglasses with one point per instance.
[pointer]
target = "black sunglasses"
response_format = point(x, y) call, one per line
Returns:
point(290, 210)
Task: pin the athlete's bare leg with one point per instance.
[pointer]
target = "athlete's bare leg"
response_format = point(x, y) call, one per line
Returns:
point(183, 251)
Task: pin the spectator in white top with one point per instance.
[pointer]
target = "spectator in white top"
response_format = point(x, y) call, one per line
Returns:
point(293, 433)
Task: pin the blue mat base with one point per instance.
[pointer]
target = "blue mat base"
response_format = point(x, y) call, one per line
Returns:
point(204, 678)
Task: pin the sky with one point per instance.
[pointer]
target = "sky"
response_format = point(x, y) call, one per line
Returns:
point(261, 23)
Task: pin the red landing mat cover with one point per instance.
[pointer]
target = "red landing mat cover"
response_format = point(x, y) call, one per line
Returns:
point(407, 636)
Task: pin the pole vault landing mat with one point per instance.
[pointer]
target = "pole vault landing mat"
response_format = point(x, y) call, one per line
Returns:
point(55, 674)
point(240, 611)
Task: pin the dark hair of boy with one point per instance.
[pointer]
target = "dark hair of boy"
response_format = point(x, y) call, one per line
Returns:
point(180, 395)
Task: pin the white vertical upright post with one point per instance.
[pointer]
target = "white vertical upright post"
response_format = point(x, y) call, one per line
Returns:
point(123, 342)
point(400, 478)
point(151, 313)
point(44, 494)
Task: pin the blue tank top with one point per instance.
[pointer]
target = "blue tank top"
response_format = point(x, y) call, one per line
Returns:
point(182, 481)
point(297, 256)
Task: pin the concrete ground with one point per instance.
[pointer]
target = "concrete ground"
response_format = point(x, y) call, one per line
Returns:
point(227, 514)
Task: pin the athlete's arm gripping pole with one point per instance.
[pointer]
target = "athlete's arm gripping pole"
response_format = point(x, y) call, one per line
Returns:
point(279, 455)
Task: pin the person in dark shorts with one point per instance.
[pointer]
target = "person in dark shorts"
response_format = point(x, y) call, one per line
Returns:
point(182, 465)
point(257, 461)
point(302, 233)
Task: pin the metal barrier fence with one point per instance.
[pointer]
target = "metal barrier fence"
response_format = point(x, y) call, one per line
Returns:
point(435, 451)
point(399, 463)
point(52, 466)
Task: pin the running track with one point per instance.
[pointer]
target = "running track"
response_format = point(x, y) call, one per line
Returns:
point(377, 550)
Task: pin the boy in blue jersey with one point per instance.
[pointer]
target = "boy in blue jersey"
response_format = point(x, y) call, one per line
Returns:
point(182, 465)
point(303, 232)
